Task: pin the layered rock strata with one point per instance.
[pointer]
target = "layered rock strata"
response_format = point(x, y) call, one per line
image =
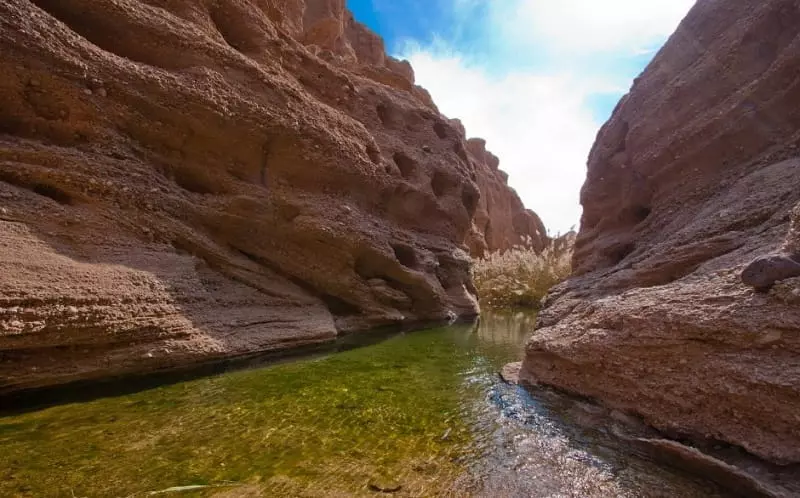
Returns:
point(183, 180)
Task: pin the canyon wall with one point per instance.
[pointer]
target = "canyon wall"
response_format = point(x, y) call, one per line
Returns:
point(694, 176)
point(183, 180)
point(501, 220)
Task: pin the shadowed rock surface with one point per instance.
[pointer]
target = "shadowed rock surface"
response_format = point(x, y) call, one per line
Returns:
point(185, 179)
point(695, 176)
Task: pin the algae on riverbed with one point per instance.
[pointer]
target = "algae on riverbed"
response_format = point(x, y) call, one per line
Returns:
point(323, 427)
point(421, 414)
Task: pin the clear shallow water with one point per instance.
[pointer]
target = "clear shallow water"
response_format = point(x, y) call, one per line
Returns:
point(422, 414)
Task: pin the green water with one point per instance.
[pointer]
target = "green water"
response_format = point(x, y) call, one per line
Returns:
point(422, 414)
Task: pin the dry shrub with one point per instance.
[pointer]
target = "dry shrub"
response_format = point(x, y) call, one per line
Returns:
point(521, 277)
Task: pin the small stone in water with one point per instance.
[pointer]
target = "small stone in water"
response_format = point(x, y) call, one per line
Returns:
point(382, 486)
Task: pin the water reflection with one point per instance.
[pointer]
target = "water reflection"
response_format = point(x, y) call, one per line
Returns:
point(535, 443)
point(507, 329)
point(423, 413)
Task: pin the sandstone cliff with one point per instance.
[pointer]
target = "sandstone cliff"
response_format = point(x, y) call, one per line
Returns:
point(501, 220)
point(189, 179)
point(695, 175)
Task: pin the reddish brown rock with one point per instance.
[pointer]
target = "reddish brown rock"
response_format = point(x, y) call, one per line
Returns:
point(694, 176)
point(183, 180)
point(501, 220)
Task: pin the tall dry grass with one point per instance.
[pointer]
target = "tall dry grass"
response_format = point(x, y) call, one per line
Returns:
point(520, 278)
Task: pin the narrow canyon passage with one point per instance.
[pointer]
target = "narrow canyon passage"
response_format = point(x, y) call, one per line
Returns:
point(189, 186)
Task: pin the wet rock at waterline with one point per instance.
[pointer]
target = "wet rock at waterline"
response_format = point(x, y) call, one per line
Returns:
point(694, 177)
point(188, 180)
point(510, 372)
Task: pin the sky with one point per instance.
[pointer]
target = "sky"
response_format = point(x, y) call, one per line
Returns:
point(535, 78)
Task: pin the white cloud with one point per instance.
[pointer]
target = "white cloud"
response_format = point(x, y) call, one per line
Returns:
point(538, 117)
point(537, 125)
point(590, 26)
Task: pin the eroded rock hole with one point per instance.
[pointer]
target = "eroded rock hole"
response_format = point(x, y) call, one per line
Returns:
point(91, 25)
point(441, 130)
point(458, 148)
point(470, 198)
point(384, 114)
point(192, 183)
point(49, 191)
point(224, 28)
point(53, 193)
point(405, 255)
point(374, 153)
point(641, 213)
point(369, 266)
point(339, 307)
point(183, 247)
point(620, 253)
point(406, 165)
point(439, 184)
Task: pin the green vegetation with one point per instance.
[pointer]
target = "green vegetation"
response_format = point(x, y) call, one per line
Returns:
point(324, 427)
point(520, 278)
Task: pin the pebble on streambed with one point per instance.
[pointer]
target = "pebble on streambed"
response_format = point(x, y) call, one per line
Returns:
point(385, 486)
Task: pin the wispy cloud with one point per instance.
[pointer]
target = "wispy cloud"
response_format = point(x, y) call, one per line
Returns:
point(536, 78)
point(583, 27)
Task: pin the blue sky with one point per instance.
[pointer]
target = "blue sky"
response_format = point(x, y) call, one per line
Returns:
point(535, 78)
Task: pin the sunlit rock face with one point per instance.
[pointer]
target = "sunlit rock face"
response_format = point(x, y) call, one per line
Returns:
point(694, 176)
point(501, 221)
point(182, 180)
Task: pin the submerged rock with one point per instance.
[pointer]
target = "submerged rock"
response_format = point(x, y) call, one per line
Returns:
point(385, 486)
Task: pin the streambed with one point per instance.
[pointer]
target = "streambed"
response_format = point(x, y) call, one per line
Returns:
point(418, 414)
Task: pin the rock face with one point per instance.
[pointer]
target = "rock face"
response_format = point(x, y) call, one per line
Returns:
point(501, 221)
point(183, 180)
point(694, 176)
